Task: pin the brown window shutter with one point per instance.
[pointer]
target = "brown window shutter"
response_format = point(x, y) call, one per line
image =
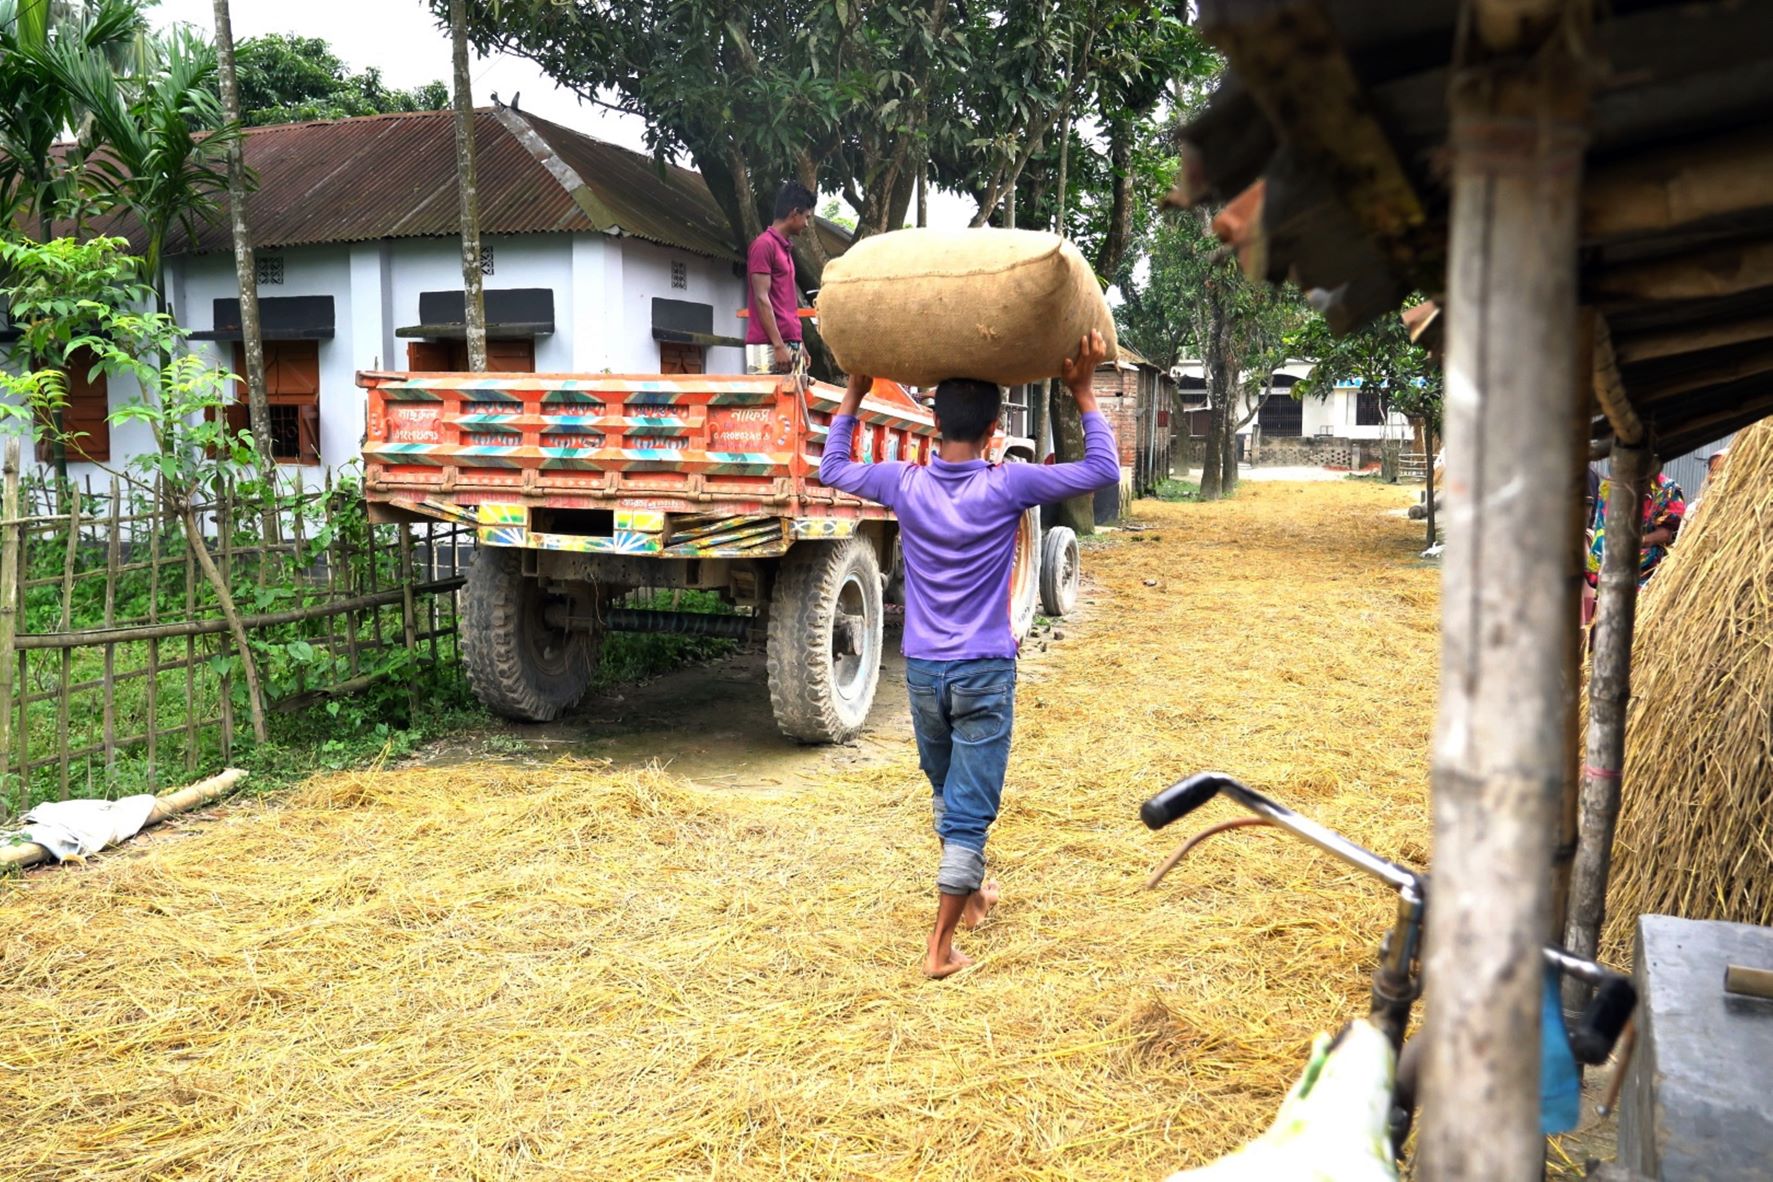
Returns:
point(298, 368)
point(308, 432)
point(427, 356)
point(516, 355)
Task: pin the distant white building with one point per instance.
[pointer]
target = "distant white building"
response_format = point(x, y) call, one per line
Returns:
point(1345, 427)
point(595, 259)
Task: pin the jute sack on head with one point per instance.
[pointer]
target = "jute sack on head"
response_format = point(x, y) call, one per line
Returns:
point(917, 306)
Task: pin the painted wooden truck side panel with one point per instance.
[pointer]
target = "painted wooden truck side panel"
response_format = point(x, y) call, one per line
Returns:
point(671, 466)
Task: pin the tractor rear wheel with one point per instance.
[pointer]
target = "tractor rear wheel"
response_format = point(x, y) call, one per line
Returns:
point(825, 639)
point(518, 666)
point(1025, 575)
point(1059, 571)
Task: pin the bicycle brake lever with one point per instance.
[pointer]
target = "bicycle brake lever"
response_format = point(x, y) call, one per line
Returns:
point(1169, 863)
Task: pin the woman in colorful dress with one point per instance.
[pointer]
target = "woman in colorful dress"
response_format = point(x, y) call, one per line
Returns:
point(1664, 507)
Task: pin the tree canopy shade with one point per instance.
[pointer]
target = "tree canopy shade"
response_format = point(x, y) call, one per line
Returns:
point(290, 79)
point(861, 97)
point(1380, 357)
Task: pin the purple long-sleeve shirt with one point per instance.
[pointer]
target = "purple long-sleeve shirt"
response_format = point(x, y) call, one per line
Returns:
point(957, 529)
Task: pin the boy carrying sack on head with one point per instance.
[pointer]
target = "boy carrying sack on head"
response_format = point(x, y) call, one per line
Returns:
point(958, 518)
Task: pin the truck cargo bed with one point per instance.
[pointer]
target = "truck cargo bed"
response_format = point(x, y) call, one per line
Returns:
point(685, 465)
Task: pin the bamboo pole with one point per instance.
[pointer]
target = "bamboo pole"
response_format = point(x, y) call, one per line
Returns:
point(1609, 695)
point(224, 530)
point(409, 620)
point(1609, 388)
point(156, 527)
point(10, 532)
point(1517, 148)
point(70, 559)
point(113, 560)
point(183, 800)
point(1563, 855)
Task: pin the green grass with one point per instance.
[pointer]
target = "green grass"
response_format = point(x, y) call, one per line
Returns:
point(1178, 490)
point(630, 657)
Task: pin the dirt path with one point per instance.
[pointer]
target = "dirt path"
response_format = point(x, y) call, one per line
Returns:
point(583, 967)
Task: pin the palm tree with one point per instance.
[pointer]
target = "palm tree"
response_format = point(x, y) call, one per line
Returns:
point(157, 142)
point(38, 111)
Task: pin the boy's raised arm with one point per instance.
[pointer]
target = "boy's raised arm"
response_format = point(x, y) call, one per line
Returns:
point(1041, 484)
point(877, 482)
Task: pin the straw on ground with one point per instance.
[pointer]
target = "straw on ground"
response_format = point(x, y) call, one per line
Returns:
point(582, 972)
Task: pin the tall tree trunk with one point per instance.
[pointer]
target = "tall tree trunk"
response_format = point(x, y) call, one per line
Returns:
point(1212, 468)
point(1078, 512)
point(1428, 459)
point(258, 406)
point(468, 189)
point(1228, 478)
point(1221, 389)
point(1120, 212)
point(258, 401)
point(923, 196)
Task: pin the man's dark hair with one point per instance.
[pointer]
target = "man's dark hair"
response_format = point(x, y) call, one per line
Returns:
point(966, 408)
point(793, 197)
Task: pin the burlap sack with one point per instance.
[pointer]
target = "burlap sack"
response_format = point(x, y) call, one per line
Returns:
point(917, 306)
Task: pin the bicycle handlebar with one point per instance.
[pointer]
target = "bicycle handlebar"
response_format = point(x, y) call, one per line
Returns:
point(1184, 796)
point(1615, 997)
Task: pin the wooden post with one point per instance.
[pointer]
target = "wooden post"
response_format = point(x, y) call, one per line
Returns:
point(1517, 147)
point(10, 529)
point(1563, 855)
point(1609, 694)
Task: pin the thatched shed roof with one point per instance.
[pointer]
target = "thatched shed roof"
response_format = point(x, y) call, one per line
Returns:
point(1332, 124)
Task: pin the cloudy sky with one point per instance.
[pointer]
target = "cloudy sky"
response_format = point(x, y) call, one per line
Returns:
point(403, 41)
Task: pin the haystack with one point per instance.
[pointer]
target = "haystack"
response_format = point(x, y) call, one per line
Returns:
point(1696, 821)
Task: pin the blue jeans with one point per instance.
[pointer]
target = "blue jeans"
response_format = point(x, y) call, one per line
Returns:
point(962, 713)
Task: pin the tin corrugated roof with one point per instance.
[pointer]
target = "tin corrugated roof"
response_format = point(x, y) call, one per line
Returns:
point(394, 176)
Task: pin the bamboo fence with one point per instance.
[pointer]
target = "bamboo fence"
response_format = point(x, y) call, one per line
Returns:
point(118, 670)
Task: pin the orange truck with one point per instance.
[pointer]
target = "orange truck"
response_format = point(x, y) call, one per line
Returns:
point(584, 487)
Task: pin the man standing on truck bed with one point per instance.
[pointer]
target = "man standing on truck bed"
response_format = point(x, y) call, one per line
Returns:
point(958, 518)
point(772, 331)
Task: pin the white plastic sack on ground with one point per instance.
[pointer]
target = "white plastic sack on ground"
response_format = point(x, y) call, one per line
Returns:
point(76, 828)
point(1332, 1127)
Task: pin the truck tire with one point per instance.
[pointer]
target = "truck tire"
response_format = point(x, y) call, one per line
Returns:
point(518, 667)
point(1025, 576)
point(895, 580)
point(825, 640)
point(1059, 572)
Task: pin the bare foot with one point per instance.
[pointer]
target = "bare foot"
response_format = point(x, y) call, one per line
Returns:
point(979, 904)
point(935, 969)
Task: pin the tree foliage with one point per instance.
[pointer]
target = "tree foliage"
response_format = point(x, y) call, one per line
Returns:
point(1379, 357)
point(153, 140)
point(860, 97)
point(38, 111)
point(288, 79)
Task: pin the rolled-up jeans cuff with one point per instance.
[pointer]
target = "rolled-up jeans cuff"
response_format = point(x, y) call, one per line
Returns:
point(962, 870)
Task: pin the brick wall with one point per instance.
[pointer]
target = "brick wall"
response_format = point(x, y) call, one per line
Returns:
point(1318, 452)
point(1122, 414)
